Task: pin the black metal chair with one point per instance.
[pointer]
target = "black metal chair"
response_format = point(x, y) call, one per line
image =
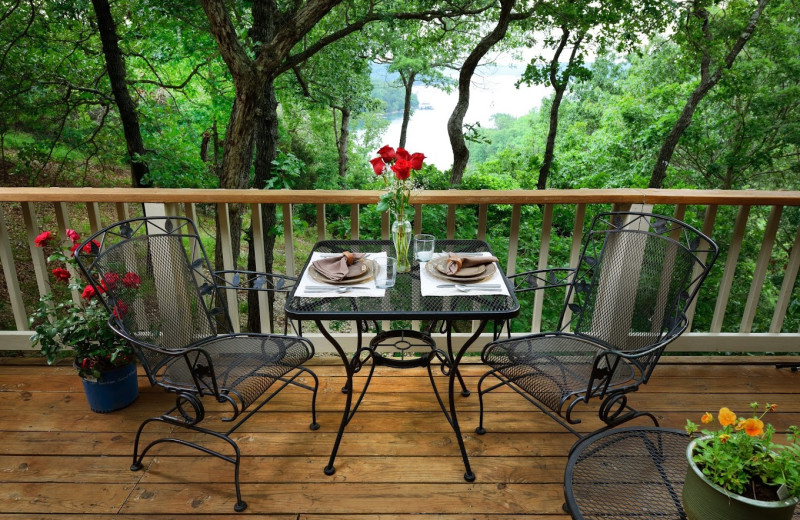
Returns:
point(155, 279)
point(625, 302)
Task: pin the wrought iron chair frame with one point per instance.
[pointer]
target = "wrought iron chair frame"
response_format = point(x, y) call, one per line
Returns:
point(189, 411)
point(614, 408)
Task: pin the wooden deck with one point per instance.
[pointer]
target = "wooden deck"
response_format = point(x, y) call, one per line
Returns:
point(398, 459)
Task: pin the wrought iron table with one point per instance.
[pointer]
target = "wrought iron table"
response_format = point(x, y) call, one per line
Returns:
point(634, 472)
point(403, 302)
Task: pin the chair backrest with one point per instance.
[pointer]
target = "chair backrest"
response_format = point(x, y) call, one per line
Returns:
point(636, 277)
point(154, 277)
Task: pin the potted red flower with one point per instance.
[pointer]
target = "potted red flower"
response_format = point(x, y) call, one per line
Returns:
point(79, 327)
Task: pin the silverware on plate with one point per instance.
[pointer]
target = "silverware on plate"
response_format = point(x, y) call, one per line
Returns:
point(332, 288)
point(473, 287)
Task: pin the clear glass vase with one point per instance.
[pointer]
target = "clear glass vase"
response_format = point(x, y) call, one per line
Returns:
point(401, 236)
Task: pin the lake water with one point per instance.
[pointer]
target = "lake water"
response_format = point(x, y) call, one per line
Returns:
point(427, 130)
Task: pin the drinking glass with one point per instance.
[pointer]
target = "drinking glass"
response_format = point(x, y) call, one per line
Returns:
point(423, 247)
point(385, 276)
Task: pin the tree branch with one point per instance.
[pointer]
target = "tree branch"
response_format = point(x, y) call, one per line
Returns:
point(228, 43)
point(160, 82)
point(425, 16)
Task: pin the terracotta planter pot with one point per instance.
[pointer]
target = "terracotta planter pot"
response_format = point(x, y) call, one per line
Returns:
point(704, 500)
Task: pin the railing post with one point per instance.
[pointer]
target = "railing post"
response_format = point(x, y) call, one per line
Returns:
point(761, 269)
point(789, 278)
point(10, 273)
point(725, 284)
point(257, 223)
point(37, 256)
point(228, 264)
point(544, 253)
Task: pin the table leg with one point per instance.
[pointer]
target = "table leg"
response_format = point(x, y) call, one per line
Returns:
point(348, 391)
point(469, 476)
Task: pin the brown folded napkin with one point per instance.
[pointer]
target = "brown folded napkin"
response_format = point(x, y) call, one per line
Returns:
point(456, 262)
point(337, 268)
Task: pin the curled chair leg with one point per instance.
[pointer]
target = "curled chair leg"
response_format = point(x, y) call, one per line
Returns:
point(480, 430)
point(190, 423)
point(314, 424)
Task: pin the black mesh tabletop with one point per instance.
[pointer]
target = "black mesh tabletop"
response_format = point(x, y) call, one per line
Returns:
point(404, 300)
point(632, 473)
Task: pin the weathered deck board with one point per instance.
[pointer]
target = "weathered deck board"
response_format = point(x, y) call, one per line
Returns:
point(398, 459)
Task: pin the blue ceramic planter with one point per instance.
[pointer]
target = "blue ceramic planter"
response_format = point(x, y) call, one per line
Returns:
point(118, 389)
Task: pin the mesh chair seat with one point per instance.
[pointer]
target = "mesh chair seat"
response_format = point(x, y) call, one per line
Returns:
point(553, 368)
point(245, 366)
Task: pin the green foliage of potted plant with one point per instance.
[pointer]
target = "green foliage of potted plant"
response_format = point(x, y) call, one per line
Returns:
point(68, 327)
point(739, 472)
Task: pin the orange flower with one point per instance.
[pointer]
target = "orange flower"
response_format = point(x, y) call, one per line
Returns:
point(753, 427)
point(772, 407)
point(726, 416)
point(706, 418)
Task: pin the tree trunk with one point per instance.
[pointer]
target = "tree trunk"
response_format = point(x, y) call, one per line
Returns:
point(560, 86)
point(237, 157)
point(117, 75)
point(455, 124)
point(408, 83)
point(671, 141)
point(549, 149)
point(707, 82)
point(266, 151)
point(342, 139)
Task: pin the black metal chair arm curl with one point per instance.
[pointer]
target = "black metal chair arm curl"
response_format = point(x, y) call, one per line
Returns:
point(242, 280)
point(542, 279)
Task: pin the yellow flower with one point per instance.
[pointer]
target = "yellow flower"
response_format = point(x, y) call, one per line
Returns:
point(753, 427)
point(706, 418)
point(726, 416)
point(724, 437)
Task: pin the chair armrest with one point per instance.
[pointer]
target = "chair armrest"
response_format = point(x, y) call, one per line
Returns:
point(254, 281)
point(542, 279)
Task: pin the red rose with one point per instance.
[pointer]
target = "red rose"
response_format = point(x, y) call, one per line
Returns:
point(387, 153)
point(120, 310)
point(88, 293)
point(43, 239)
point(73, 235)
point(402, 169)
point(416, 160)
point(111, 280)
point(402, 153)
point(377, 165)
point(88, 247)
point(61, 274)
point(131, 280)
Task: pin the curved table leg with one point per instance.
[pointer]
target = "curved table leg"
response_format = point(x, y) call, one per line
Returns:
point(348, 391)
point(469, 476)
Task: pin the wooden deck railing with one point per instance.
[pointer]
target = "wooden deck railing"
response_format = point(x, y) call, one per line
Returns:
point(761, 251)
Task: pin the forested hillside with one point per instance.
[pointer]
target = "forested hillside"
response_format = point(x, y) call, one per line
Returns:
point(93, 87)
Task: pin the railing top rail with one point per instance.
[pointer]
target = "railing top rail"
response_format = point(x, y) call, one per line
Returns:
point(579, 196)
